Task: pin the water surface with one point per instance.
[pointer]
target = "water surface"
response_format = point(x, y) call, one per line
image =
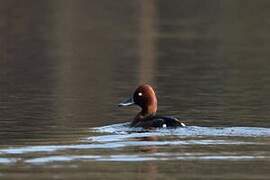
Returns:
point(65, 65)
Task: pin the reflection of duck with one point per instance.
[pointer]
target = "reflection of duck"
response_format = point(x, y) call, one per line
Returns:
point(145, 97)
point(148, 149)
point(148, 170)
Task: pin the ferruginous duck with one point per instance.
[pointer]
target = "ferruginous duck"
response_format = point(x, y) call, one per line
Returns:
point(145, 97)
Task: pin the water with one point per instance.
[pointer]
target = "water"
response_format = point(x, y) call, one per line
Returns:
point(65, 65)
point(121, 146)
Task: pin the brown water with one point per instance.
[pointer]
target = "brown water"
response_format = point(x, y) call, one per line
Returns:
point(65, 65)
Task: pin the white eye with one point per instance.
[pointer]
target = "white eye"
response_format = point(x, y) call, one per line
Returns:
point(140, 94)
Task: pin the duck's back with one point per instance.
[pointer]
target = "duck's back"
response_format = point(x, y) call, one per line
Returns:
point(166, 121)
point(160, 122)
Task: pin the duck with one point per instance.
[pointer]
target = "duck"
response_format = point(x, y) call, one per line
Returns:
point(145, 97)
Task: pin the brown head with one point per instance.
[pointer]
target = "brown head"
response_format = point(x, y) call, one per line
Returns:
point(145, 97)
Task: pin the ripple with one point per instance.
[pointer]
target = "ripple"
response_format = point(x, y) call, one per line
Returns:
point(115, 145)
point(188, 131)
point(146, 157)
point(7, 160)
point(119, 136)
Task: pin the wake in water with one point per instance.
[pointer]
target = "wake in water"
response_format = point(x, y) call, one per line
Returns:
point(122, 133)
point(157, 145)
point(188, 131)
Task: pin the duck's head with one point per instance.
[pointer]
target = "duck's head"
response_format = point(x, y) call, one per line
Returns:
point(145, 97)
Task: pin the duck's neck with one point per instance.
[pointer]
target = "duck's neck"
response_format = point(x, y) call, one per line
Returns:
point(144, 115)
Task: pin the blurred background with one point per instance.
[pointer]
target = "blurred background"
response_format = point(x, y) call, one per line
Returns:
point(66, 64)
